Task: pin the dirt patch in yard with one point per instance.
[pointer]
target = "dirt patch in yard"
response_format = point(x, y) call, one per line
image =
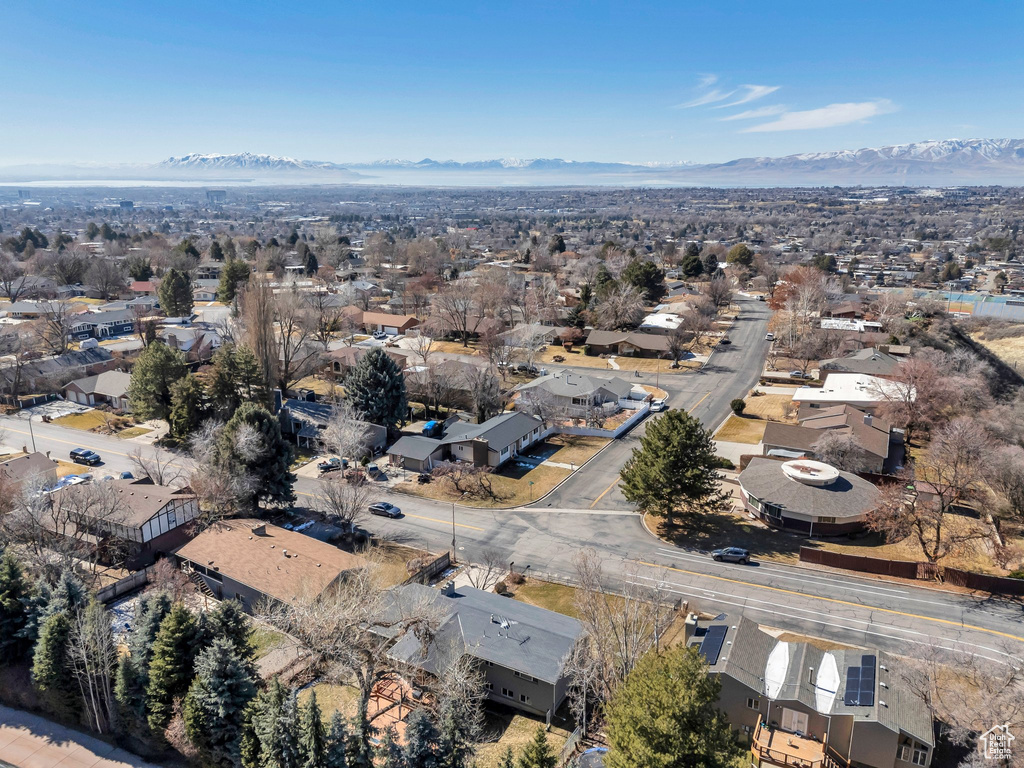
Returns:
point(507, 730)
point(559, 598)
point(332, 698)
point(575, 449)
point(86, 421)
point(511, 486)
point(1009, 350)
point(771, 407)
point(125, 434)
point(740, 430)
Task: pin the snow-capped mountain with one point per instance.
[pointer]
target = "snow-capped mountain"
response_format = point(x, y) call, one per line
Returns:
point(924, 163)
point(246, 161)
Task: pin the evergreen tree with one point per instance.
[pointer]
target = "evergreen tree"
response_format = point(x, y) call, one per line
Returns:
point(389, 752)
point(556, 245)
point(691, 264)
point(310, 263)
point(249, 376)
point(175, 293)
point(538, 753)
point(507, 759)
point(223, 687)
point(647, 278)
point(265, 459)
point(67, 595)
point(235, 273)
point(228, 621)
point(281, 750)
point(188, 406)
point(687, 730)
point(266, 714)
point(216, 251)
point(155, 371)
point(14, 594)
point(249, 741)
point(36, 604)
point(674, 471)
point(312, 738)
point(170, 670)
point(740, 254)
point(421, 741)
point(376, 389)
point(336, 751)
point(51, 672)
point(710, 264)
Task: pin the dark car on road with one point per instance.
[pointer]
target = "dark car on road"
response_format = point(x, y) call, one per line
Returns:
point(385, 509)
point(85, 456)
point(732, 555)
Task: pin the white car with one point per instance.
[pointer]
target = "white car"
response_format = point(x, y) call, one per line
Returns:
point(769, 337)
point(657, 406)
point(379, 335)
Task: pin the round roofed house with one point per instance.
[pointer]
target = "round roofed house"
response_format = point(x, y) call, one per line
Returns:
point(806, 496)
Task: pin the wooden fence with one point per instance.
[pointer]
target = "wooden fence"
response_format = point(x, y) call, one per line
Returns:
point(123, 586)
point(903, 569)
point(438, 565)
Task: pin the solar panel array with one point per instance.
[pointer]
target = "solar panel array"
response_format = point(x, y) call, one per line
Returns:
point(711, 645)
point(860, 684)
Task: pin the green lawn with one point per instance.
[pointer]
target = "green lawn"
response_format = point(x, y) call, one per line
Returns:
point(265, 640)
point(544, 594)
point(124, 434)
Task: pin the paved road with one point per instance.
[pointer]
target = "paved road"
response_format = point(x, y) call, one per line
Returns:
point(588, 511)
point(730, 373)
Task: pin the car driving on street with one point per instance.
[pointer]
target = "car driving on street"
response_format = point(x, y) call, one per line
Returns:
point(731, 555)
point(85, 456)
point(385, 509)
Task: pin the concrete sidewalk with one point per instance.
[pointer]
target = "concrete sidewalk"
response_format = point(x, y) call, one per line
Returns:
point(30, 741)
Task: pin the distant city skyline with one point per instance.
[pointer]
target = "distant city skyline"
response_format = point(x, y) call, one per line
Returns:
point(115, 82)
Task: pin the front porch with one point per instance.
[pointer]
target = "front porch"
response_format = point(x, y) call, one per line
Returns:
point(775, 747)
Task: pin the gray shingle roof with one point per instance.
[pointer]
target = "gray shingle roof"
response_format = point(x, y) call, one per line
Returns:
point(499, 432)
point(746, 661)
point(535, 642)
point(108, 383)
point(868, 360)
point(566, 383)
point(415, 447)
point(849, 496)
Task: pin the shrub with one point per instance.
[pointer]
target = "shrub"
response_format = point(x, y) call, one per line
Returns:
point(501, 587)
point(723, 463)
point(518, 578)
point(738, 405)
point(1018, 574)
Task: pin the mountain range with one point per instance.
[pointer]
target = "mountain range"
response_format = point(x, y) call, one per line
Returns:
point(926, 163)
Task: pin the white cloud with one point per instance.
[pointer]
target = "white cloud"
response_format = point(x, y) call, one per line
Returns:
point(707, 81)
point(754, 92)
point(750, 114)
point(708, 98)
point(826, 117)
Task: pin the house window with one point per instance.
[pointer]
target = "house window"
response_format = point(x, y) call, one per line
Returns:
point(489, 686)
point(753, 704)
point(524, 698)
point(826, 519)
point(903, 753)
point(489, 663)
point(507, 693)
point(528, 678)
point(920, 755)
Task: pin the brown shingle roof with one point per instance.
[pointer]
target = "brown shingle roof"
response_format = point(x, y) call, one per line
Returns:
point(254, 553)
point(143, 499)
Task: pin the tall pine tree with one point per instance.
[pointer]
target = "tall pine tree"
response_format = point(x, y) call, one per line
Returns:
point(312, 737)
point(170, 670)
point(336, 753)
point(51, 670)
point(223, 687)
point(376, 389)
point(155, 371)
point(421, 741)
point(674, 471)
point(389, 751)
point(188, 406)
point(688, 729)
point(14, 593)
point(537, 753)
point(176, 293)
point(251, 445)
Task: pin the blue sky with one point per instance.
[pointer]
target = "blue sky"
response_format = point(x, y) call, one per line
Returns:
point(621, 81)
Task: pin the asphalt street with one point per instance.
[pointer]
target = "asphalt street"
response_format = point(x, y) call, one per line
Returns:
point(589, 511)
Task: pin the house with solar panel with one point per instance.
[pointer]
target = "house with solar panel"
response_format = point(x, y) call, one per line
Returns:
point(797, 705)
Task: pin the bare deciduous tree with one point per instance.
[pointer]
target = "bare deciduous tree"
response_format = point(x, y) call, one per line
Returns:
point(343, 501)
point(487, 569)
point(346, 434)
point(841, 450)
point(158, 466)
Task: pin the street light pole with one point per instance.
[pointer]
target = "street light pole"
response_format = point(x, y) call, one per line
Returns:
point(453, 530)
point(32, 433)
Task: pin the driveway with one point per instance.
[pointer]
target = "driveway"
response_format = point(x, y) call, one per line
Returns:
point(30, 741)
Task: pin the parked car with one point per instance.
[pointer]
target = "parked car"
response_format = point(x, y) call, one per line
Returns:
point(422, 477)
point(379, 335)
point(331, 464)
point(769, 337)
point(385, 509)
point(127, 476)
point(657, 406)
point(731, 555)
point(523, 368)
point(85, 456)
point(799, 375)
point(725, 340)
point(760, 298)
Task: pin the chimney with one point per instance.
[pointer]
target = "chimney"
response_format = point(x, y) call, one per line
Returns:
point(448, 590)
point(278, 400)
point(284, 552)
point(867, 419)
point(259, 530)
